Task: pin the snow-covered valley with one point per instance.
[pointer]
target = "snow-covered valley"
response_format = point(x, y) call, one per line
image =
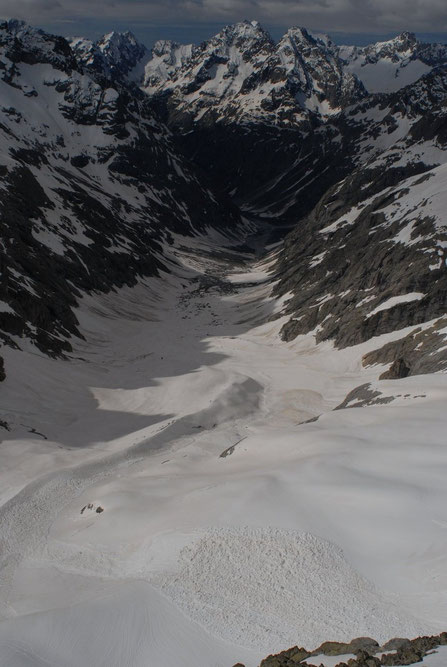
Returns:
point(232, 526)
point(223, 299)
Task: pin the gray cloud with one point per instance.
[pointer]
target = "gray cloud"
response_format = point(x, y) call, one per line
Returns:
point(331, 15)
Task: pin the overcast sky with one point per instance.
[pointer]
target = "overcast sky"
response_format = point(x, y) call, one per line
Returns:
point(194, 20)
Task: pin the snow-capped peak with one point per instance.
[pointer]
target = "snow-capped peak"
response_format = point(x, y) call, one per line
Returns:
point(246, 30)
point(301, 40)
point(114, 55)
point(243, 35)
point(391, 65)
point(15, 25)
point(399, 42)
point(115, 42)
point(242, 71)
point(163, 47)
point(299, 34)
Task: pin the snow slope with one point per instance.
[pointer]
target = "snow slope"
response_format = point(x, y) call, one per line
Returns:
point(192, 440)
point(127, 624)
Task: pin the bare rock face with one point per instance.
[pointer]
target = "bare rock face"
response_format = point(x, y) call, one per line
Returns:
point(364, 644)
point(332, 648)
point(369, 259)
point(398, 369)
point(423, 350)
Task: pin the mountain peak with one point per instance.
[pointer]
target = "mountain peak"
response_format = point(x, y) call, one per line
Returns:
point(244, 30)
point(164, 46)
point(13, 25)
point(117, 42)
point(24, 43)
point(299, 32)
point(407, 36)
point(115, 37)
point(402, 42)
point(300, 35)
point(116, 53)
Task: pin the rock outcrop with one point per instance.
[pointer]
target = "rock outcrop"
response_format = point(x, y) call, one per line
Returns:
point(402, 652)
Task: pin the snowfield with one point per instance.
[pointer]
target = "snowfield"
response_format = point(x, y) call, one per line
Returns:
point(235, 523)
point(264, 586)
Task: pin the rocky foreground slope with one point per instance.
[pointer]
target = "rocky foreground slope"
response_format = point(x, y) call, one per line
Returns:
point(397, 651)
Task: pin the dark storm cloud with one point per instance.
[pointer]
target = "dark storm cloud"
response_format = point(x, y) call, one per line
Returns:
point(330, 15)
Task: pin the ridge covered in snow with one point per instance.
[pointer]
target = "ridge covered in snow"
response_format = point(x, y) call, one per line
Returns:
point(388, 66)
point(241, 74)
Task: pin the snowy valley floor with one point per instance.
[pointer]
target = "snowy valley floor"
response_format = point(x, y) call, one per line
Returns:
point(230, 528)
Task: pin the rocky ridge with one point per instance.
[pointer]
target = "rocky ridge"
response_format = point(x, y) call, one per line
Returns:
point(388, 66)
point(242, 75)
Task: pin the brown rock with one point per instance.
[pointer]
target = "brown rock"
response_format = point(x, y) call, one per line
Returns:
point(332, 648)
point(398, 369)
point(396, 644)
point(403, 657)
point(293, 656)
point(364, 643)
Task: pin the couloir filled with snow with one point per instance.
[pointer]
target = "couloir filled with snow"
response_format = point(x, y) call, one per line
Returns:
point(231, 523)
